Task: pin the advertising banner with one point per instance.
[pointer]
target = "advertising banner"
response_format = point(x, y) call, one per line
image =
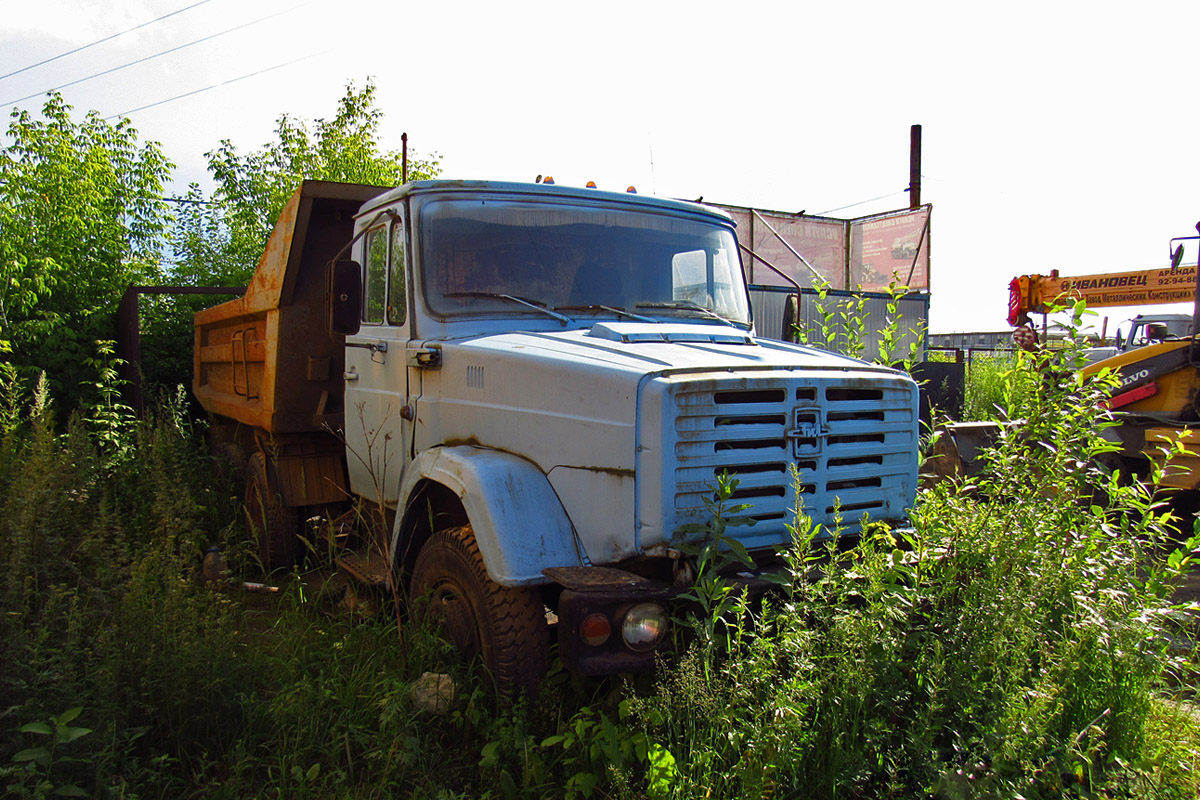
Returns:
point(821, 242)
point(890, 246)
point(865, 253)
point(1141, 287)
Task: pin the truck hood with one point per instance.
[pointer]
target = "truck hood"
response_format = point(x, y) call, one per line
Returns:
point(611, 412)
point(637, 349)
point(570, 398)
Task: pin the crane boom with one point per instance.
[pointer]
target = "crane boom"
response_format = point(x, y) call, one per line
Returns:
point(1034, 293)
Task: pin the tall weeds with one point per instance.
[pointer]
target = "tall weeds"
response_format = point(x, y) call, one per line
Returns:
point(988, 386)
point(1015, 641)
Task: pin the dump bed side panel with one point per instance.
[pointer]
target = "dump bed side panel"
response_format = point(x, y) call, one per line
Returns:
point(231, 363)
point(266, 359)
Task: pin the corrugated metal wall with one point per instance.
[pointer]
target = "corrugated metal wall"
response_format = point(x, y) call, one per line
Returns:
point(912, 312)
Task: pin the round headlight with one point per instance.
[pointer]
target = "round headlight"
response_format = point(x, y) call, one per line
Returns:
point(644, 626)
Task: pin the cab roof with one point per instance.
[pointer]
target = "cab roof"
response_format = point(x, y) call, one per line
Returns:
point(546, 191)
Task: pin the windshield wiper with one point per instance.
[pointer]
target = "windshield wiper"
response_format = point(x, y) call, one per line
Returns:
point(687, 305)
point(534, 304)
point(620, 312)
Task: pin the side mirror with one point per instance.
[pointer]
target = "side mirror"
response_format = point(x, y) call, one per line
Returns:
point(1177, 257)
point(791, 317)
point(345, 297)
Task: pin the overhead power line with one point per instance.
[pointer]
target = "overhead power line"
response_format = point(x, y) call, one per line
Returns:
point(102, 41)
point(860, 203)
point(187, 201)
point(156, 55)
point(214, 86)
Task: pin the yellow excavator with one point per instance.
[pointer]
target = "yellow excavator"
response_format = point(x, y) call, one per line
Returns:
point(1157, 399)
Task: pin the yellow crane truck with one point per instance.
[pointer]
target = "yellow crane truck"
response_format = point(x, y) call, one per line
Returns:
point(1157, 399)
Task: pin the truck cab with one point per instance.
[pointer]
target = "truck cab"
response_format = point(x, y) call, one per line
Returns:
point(544, 387)
point(1142, 331)
point(1145, 329)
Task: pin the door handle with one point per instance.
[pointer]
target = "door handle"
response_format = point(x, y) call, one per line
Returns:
point(350, 375)
point(374, 347)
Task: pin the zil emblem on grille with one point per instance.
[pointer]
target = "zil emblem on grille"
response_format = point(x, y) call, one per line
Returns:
point(807, 432)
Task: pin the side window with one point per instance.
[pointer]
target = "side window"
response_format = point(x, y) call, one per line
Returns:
point(376, 285)
point(397, 306)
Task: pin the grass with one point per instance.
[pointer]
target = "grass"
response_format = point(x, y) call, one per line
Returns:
point(987, 385)
point(1004, 647)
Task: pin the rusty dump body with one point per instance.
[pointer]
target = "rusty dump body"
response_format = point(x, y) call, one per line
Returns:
point(254, 384)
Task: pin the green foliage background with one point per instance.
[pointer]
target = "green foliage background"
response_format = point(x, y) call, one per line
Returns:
point(83, 216)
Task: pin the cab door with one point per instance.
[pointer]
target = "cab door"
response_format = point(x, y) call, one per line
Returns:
point(375, 375)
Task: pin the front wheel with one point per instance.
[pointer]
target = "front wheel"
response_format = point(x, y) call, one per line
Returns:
point(503, 628)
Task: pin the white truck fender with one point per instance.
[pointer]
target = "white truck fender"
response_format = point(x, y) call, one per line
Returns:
point(519, 522)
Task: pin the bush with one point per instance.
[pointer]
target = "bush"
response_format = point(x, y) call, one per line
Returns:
point(1014, 642)
point(987, 382)
point(1011, 646)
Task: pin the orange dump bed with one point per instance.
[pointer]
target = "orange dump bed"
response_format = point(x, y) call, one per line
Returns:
point(267, 359)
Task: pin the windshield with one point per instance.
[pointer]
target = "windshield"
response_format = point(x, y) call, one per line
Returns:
point(484, 256)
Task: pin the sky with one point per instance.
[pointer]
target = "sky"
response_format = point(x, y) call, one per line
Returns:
point(1055, 135)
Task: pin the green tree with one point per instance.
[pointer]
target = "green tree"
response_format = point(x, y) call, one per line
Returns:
point(82, 216)
point(253, 189)
point(218, 242)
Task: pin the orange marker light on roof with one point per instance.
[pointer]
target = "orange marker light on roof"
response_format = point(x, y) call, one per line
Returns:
point(548, 180)
point(591, 185)
point(632, 190)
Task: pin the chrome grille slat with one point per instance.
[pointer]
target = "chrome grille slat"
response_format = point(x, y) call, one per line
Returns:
point(712, 461)
point(861, 449)
point(722, 433)
point(843, 428)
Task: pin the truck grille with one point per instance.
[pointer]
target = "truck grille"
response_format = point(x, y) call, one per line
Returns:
point(852, 442)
